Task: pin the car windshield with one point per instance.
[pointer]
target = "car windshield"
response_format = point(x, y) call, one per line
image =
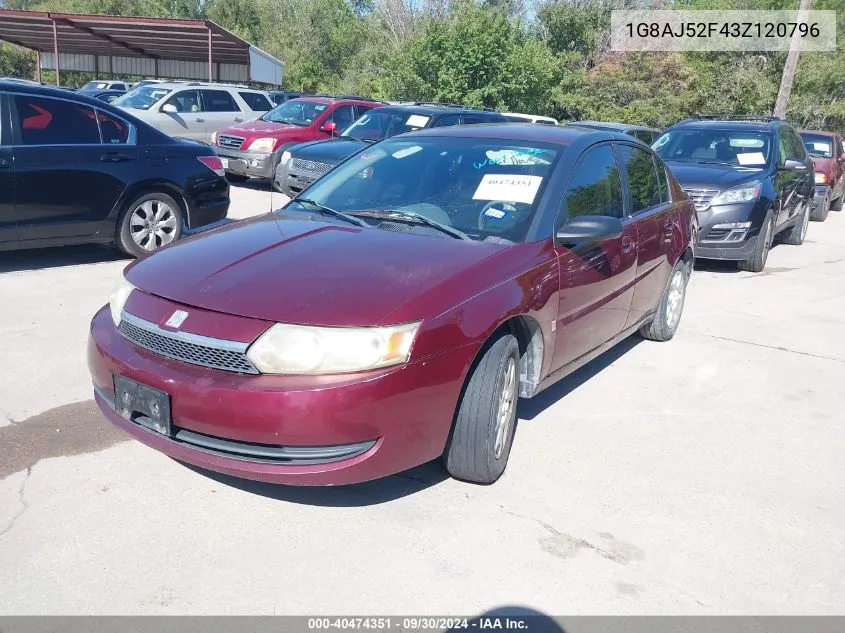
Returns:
point(95, 85)
point(296, 112)
point(485, 188)
point(738, 148)
point(383, 123)
point(818, 145)
point(142, 98)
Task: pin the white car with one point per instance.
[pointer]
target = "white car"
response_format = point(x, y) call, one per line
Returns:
point(194, 110)
point(531, 118)
point(92, 86)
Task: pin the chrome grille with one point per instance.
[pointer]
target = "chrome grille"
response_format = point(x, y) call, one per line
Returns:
point(232, 142)
point(701, 197)
point(188, 348)
point(317, 169)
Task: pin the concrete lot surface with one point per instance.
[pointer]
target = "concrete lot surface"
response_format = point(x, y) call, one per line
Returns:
point(701, 476)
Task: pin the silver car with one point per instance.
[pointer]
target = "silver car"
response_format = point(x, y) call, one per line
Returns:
point(194, 110)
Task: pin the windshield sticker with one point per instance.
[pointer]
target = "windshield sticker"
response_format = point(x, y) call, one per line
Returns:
point(511, 157)
point(751, 158)
point(821, 147)
point(660, 142)
point(320, 108)
point(510, 188)
point(408, 151)
point(495, 213)
point(746, 142)
point(417, 120)
point(372, 155)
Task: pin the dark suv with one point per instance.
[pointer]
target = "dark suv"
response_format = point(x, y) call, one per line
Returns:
point(750, 179)
point(304, 163)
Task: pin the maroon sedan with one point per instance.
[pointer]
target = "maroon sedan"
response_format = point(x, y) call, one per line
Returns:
point(396, 310)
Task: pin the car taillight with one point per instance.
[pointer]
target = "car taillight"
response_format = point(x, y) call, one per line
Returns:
point(213, 163)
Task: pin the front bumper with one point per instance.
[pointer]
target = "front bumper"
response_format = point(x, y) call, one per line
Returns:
point(246, 163)
point(715, 242)
point(373, 424)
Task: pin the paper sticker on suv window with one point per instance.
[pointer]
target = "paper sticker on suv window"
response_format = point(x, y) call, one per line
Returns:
point(511, 188)
point(495, 213)
point(746, 142)
point(751, 158)
point(822, 147)
point(417, 120)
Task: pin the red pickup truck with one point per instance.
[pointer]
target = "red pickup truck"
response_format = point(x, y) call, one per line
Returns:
point(825, 148)
point(254, 148)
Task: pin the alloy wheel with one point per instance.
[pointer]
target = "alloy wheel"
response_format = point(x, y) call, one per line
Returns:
point(152, 224)
point(675, 299)
point(505, 407)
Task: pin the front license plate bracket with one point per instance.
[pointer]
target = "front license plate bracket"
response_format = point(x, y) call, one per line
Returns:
point(143, 405)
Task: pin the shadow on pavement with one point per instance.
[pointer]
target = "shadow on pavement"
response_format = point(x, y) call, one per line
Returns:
point(531, 408)
point(59, 256)
point(351, 496)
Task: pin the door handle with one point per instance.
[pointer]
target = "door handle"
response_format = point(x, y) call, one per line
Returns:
point(239, 119)
point(627, 244)
point(199, 120)
point(114, 157)
point(4, 163)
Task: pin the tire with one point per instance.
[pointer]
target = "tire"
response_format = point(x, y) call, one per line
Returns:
point(671, 307)
point(795, 234)
point(837, 204)
point(485, 422)
point(236, 177)
point(133, 216)
point(757, 261)
point(819, 213)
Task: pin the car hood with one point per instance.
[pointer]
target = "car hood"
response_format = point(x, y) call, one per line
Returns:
point(307, 272)
point(698, 176)
point(257, 126)
point(330, 151)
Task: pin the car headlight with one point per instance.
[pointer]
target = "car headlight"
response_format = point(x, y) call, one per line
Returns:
point(746, 192)
point(265, 145)
point(285, 158)
point(118, 297)
point(821, 179)
point(303, 349)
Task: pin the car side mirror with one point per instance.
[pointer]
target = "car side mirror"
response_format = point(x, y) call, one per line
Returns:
point(169, 108)
point(842, 158)
point(329, 127)
point(589, 228)
point(794, 164)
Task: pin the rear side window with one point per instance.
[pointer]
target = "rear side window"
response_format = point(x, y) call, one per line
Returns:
point(256, 101)
point(595, 187)
point(642, 178)
point(447, 120)
point(343, 117)
point(473, 119)
point(219, 101)
point(113, 130)
point(55, 122)
point(662, 180)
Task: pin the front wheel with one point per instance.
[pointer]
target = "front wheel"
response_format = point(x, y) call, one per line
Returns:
point(149, 222)
point(485, 423)
point(757, 261)
point(668, 317)
point(797, 232)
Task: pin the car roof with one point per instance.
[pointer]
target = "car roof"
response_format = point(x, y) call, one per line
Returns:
point(728, 124)
point(609, 125)
point(325, 99)
point(819, 133)
point(50, 91)
point(522, 132)
point(433, 110)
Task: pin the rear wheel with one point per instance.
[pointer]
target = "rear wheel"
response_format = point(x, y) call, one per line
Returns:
point(757, 261)
point(795, 234)
point(820, 212)
point(837, 204)
point(485, 422)
point(149, 222)
point(668, 317)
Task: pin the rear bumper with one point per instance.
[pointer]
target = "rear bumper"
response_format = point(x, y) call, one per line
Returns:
point(246, 163)
point(318, 430)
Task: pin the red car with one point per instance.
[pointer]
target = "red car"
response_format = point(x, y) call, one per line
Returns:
point(254, 148)
point(394, 312)
point(825, 148)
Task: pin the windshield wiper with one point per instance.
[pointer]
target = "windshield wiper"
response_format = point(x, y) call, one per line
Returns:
point(429, 222)
point(329, 211)
point(717, 162)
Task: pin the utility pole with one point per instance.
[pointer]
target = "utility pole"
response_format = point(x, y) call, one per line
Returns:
point(791, 63)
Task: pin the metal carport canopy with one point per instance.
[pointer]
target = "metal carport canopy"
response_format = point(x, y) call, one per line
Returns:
point(152, 47)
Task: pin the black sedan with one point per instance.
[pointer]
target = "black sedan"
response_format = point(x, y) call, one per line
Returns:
point(74, 169)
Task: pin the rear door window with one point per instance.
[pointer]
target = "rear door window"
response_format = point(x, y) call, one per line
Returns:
point(44, 121)
point(642, 178)
point(186, 101)
point(343, 117)
point(473, 119)
point(218, 101)
point(595, 187)
point(113, 130)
